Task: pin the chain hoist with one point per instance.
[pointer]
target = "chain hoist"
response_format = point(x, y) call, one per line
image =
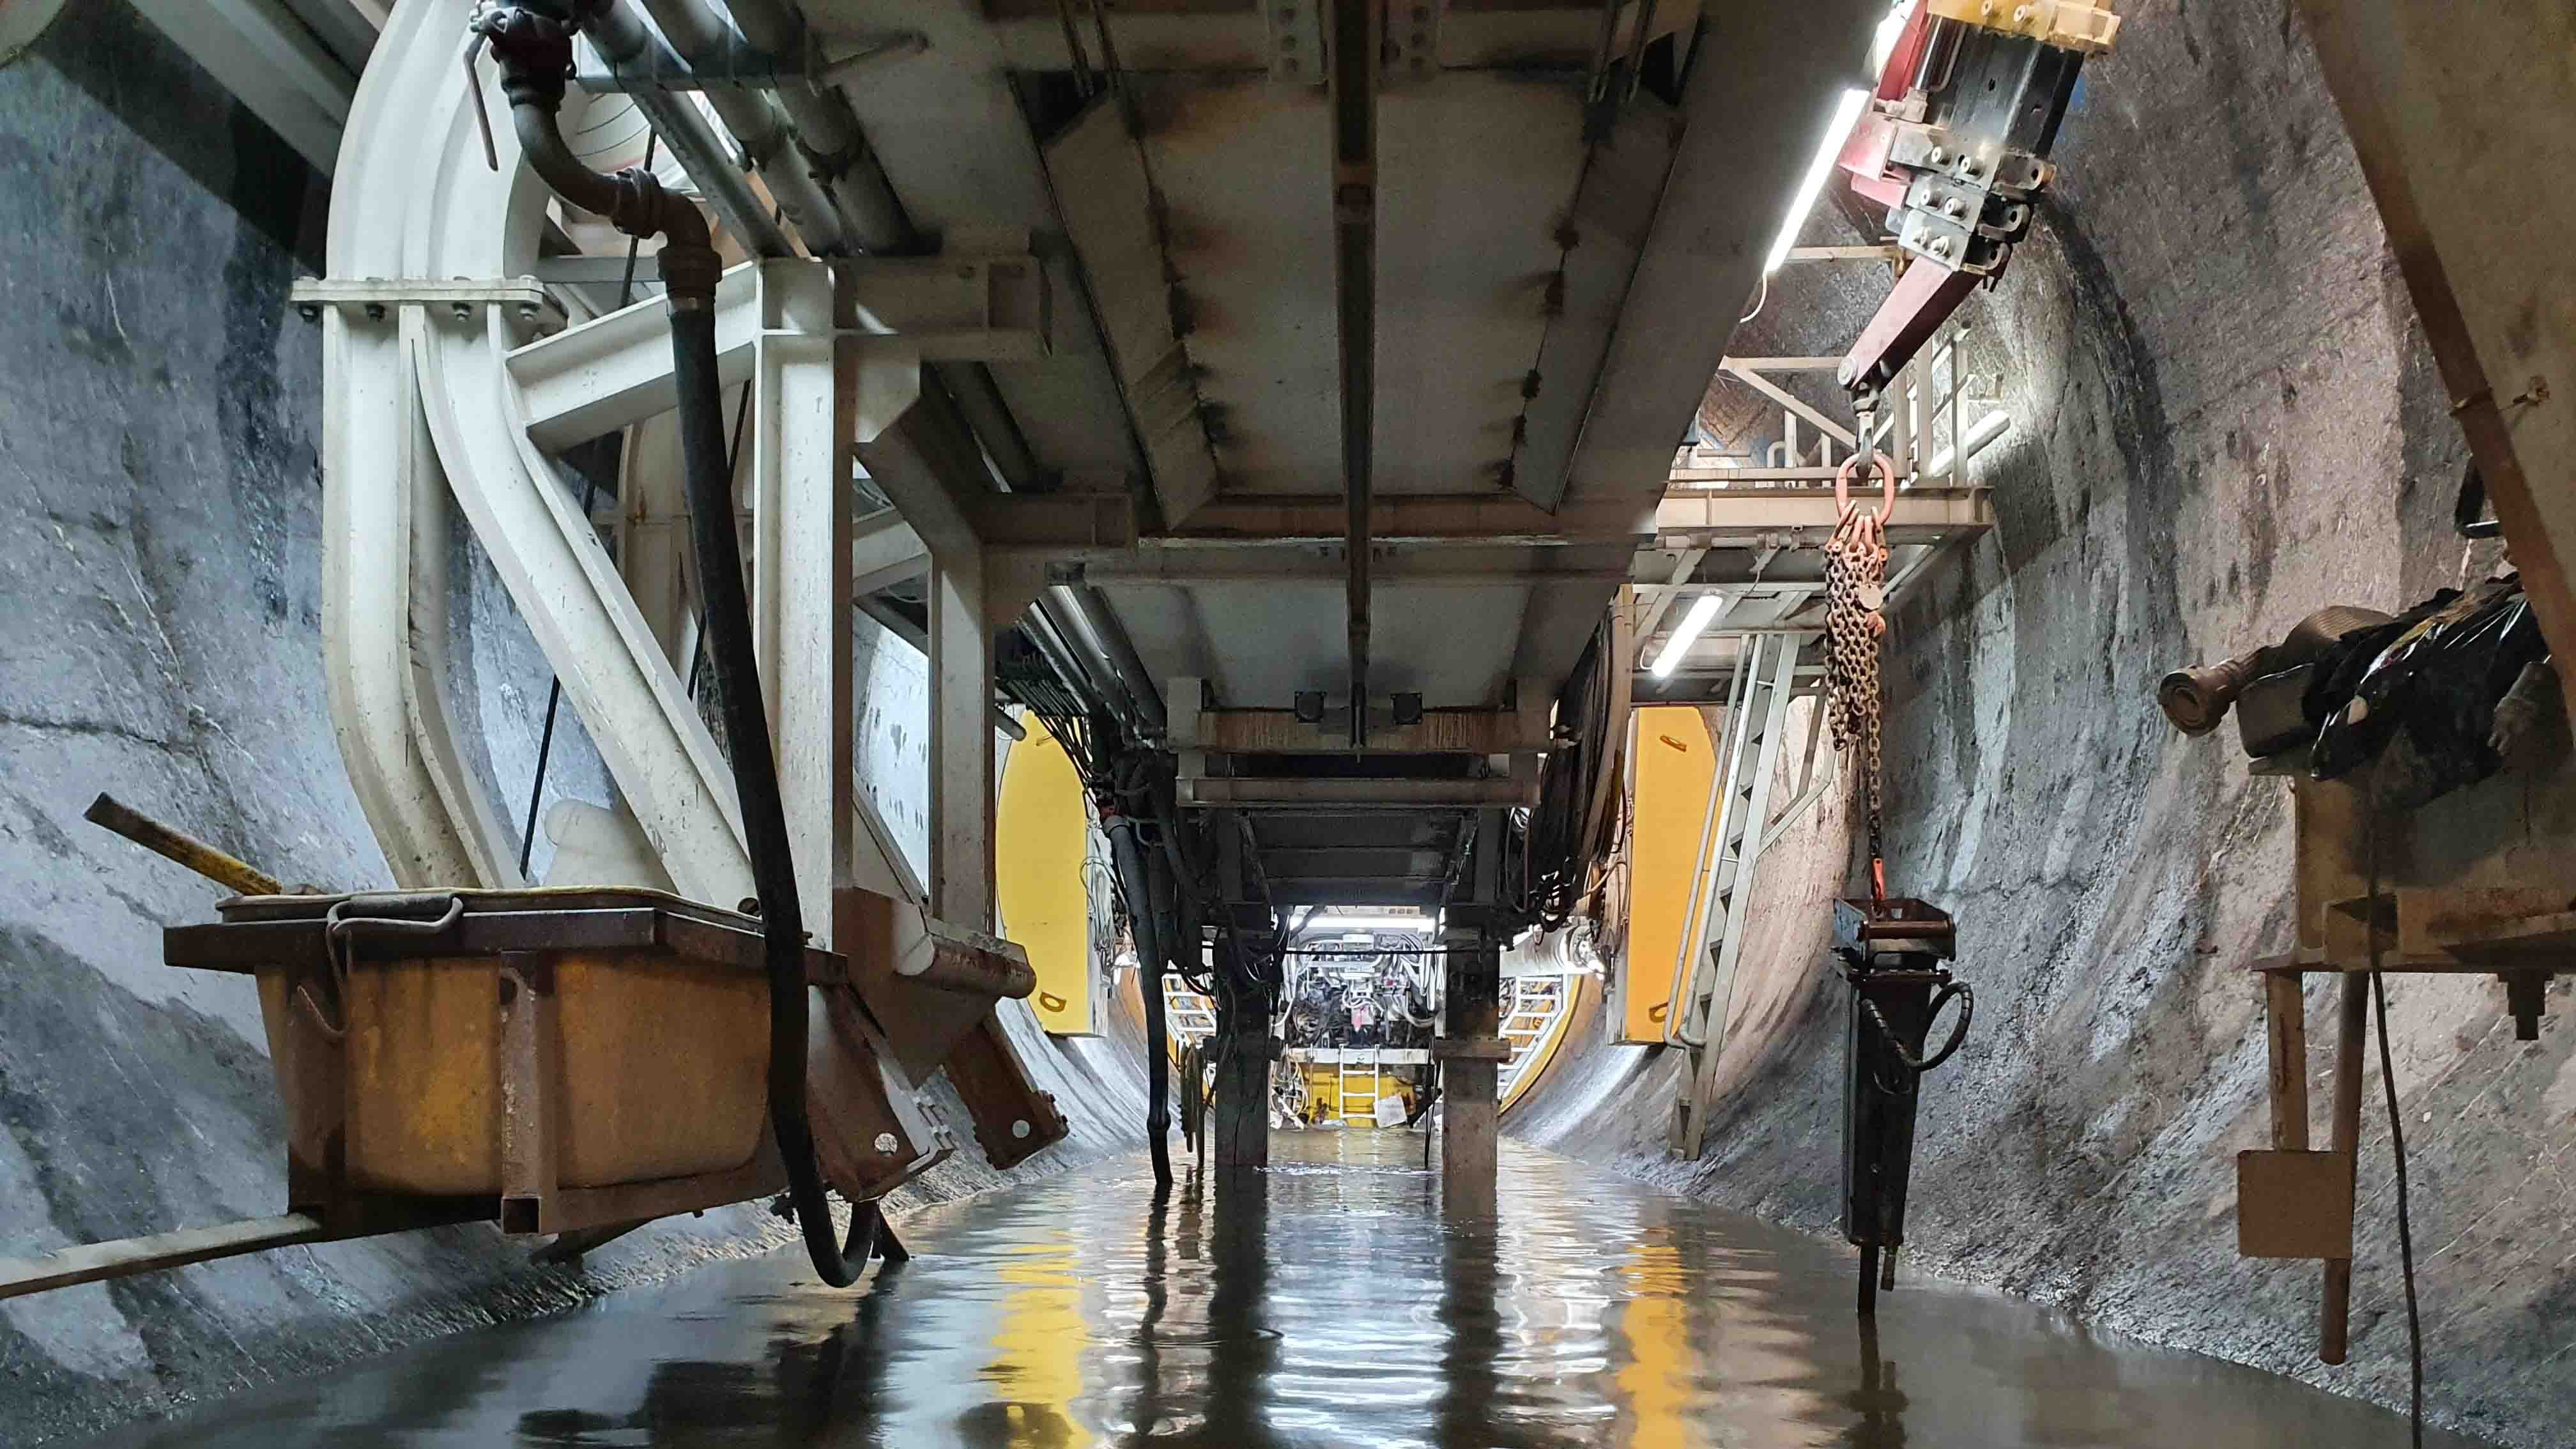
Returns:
point(1890, 951)
point(1855, 619)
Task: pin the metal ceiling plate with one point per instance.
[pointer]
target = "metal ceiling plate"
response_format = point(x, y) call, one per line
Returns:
point(948, 129)
point(1475, 171)
point(1106, 199)
point(1245, 168)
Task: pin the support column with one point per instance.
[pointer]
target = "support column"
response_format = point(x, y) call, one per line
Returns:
point(1470, 1105)
point(961, 742)
point(1240, 1119)
point(1471, 1047)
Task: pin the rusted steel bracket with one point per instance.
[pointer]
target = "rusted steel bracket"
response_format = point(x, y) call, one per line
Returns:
point(928, 982)
point(872, 1131)
point(1013, 1119)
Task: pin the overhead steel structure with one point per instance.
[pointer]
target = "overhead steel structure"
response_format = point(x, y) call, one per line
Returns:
point(1273, 396)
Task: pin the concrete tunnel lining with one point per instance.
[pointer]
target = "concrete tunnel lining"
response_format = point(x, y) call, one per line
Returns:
point(2225, 413)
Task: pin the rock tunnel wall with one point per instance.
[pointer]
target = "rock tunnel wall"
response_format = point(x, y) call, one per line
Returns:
point(2225, 418)
point(160, 537)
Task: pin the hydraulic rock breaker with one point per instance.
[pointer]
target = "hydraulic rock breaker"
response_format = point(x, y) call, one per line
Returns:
point(1890, 952)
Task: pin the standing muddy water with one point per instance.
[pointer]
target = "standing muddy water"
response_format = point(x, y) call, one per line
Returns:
point(1323, 1302)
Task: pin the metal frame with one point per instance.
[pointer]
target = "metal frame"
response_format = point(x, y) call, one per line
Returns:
point(1757, 724)
point(430, 386)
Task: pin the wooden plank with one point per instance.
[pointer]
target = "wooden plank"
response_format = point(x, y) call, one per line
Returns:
point(2294, 1205)
point(124, 1257)
point(2471, 920)
point(2285, 1012)
point(2353, 1024)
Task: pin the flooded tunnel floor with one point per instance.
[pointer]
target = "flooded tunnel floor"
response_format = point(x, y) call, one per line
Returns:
point(1334, 1308)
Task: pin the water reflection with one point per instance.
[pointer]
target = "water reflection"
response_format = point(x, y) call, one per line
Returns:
point(1324, 1302)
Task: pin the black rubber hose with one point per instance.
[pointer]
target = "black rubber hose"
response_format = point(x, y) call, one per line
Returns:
point(533, 45)
point(1158, 1060)
point(1147, 900)
point(1967, 999)
point(732, 670)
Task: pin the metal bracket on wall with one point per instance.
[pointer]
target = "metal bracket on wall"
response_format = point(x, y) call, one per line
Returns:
point(1296, 40)
point(377, 296)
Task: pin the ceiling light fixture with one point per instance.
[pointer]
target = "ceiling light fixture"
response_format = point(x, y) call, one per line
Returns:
point(1847, 112)
point(1703, 612)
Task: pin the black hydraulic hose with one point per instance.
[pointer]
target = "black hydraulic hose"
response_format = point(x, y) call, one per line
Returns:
point(533, 45)
point(733, 670)
point(1147, 898)
point(1958, 1028)
point(1158, 1063)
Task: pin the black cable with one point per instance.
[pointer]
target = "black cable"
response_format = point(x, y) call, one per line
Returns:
point(589, 491)
point(2405, 1224)
point(731, 660)
point(2397, 1148)
point(1967, 999)
point(733, 469)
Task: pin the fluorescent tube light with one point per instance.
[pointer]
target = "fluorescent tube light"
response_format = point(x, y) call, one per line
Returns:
point(1847, 112)
point(1370, 923)
point(1703, 612)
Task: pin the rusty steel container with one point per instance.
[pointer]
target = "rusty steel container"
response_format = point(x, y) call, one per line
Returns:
point(483, 1044)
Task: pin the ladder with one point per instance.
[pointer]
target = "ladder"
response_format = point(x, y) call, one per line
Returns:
point(1190, 1017)
point(1537, 1001)
point(1346, 1073)
point(1757, 719)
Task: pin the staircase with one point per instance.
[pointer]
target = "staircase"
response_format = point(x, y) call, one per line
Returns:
point(1757, 718)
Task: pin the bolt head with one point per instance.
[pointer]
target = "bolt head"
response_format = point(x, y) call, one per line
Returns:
point(1020, 1128)
point(886, 1142)
point(1954, 207)
point(1940, 156)
point(309, 312)
point(1940, 246)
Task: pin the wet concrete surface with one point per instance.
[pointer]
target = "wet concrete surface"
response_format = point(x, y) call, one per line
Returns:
point(1324, 1302)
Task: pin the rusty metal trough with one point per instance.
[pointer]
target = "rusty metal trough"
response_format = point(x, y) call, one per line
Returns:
point(552, 1060)
point(574, 1062)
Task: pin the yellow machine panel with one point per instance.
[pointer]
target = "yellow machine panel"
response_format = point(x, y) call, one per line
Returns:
point(1042, 835)
point(1676, 763)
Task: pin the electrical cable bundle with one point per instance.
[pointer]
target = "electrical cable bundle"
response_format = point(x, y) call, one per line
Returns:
point(1552, 875)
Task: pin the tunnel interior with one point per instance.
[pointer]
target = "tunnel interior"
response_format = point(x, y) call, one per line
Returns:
point(1393, 1151)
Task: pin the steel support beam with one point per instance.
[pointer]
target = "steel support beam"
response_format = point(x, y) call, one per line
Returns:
point(1354, 60)
point(1344, 795)
point(885, 551)
point(1410, 518)
point(2452, 105)
point(1702, 517)
point(261, 52)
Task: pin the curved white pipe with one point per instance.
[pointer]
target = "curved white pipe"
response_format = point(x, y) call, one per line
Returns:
point(418, 201)
point(380, 481)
